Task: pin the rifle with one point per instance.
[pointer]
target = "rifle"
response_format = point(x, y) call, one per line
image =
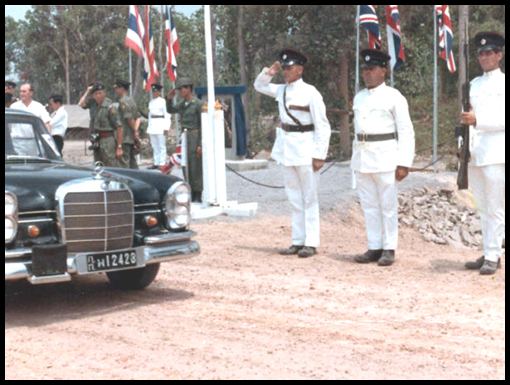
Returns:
point(462, 131)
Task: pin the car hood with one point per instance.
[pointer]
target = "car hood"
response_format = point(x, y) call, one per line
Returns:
point(34, 184)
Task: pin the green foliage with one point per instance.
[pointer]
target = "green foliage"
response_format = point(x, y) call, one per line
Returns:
point(95, 36)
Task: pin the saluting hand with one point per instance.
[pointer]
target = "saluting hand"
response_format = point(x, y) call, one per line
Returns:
point(275, 69)
point(171, 94)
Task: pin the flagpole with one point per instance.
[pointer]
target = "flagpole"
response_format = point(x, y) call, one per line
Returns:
point(217, 140)
point(435, 89)
point(356, 87)
point(130, 73)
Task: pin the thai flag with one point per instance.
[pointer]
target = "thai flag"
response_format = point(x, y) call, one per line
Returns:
point(395, 46)
point(172, 41)
point(445, 36)
point(135, 32)
point(368, 20)
point(177, 159)
point(149, 62)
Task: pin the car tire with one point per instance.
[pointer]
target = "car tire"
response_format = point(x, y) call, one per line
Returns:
point(137, 279)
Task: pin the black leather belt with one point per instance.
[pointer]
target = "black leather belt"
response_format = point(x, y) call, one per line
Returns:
point(376, 137)
point(290, 128)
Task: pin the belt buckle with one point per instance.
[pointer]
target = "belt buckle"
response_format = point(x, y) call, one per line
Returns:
point(364, 137)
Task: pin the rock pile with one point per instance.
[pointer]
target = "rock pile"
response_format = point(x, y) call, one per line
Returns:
point(440, 217)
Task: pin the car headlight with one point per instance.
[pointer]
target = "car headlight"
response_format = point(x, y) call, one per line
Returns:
point(11, 204)
point(178, 206)
point(11, 214)
point(10, 229)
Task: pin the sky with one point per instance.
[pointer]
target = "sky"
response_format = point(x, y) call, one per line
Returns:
point(18, 11)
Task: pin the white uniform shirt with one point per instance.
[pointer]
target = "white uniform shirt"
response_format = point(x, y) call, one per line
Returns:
point(382, 110)
point(35, 108)
point(488, 137)
point(159, 118)
point(58, 122)
point(298, 148)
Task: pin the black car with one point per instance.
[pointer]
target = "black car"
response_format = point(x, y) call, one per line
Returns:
point(62, 220)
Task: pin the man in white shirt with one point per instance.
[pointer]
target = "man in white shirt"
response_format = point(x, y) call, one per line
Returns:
point(26, 103)
point(383, 152)
point(301, 146)
point(58, 122)
point(487, 166)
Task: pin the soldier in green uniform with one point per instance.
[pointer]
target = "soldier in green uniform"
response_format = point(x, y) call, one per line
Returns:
point(105, 122)
point(130, 119)
point(190, 110)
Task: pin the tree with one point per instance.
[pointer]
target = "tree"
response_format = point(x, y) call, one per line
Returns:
point(64, 48)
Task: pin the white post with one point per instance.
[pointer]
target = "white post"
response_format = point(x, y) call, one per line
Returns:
point(219, 155)
point(435, 91)
point(207, 160)
point(213, 169)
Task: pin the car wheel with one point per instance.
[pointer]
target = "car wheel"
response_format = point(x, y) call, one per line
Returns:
point(136, 279)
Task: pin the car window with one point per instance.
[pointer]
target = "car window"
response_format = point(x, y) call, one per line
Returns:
point(25, 137)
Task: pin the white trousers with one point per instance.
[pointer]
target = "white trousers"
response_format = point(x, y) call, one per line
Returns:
point(301, 185)
point(158, 143)
point(378, 193)
point(488, 185)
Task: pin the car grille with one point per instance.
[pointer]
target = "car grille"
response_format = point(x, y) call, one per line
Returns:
point(97, 221)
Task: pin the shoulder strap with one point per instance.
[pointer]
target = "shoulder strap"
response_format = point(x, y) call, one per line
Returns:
point(287, 110)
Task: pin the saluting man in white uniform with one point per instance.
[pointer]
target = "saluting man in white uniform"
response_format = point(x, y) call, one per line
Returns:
point(383, 152)
point(301, 146)
point(487, 166)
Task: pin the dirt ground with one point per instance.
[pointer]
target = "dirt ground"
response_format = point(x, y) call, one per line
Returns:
point(241, 311)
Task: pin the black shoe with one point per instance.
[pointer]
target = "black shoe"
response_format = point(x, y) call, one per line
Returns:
point(489, 268)
point(307, 252)
point(477, 265)
point(369, 256)
point(293, 250)
point(387, 258)
point(196, 196)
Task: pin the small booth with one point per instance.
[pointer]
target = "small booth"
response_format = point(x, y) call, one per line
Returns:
point(235, 119)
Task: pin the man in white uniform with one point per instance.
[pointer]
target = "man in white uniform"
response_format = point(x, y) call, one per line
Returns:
point(301, 146)
point(383, 152)
point(159, 124)
point(487, 166)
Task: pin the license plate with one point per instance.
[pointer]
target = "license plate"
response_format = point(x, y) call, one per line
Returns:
point(111, 261)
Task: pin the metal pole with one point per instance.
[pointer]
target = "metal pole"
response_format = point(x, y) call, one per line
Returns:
point(356, 87)
point(435, 89)
point(210, 94)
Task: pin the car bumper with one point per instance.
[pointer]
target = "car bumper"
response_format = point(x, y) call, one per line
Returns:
point(162, 248)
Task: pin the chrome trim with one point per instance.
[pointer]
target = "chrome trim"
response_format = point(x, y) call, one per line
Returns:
point(37, 212)
point(170, 237)
point(147, 205)
point(89, 185)
point(174, 250)
point(35, 220)
point(147, 212)
point(49, 279)
point(18, 253)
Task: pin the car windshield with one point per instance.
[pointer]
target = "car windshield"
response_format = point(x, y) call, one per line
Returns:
point(27, 137)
